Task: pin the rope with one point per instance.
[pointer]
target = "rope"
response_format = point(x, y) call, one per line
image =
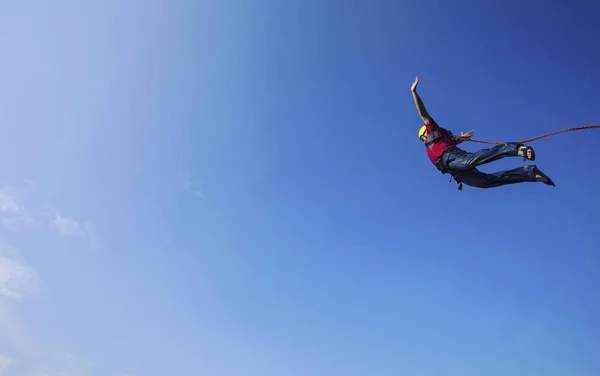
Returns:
point(536, 138)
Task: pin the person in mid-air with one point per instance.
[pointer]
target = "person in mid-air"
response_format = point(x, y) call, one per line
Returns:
point(441, 146)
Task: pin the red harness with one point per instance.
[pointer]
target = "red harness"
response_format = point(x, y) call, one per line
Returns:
point(438, 141)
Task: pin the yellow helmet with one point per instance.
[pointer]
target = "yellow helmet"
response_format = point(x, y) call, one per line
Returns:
point(422, 131)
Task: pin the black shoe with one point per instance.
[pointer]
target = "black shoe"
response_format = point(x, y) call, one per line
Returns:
point(546, 178)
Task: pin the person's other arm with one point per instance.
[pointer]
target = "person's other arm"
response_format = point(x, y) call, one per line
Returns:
point(463, 137)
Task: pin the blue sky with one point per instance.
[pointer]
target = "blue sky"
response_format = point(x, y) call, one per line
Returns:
point(237, 188)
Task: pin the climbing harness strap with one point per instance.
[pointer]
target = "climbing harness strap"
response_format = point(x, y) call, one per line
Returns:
point(535, 138)
point(438, 135)
point(457, 182)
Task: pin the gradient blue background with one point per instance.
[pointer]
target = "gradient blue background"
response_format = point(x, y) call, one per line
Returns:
point(260, 201)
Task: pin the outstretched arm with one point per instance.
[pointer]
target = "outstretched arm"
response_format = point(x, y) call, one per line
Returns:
point(427, 120)
point(419, 103)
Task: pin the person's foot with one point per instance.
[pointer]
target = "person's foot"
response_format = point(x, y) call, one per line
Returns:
point(526, 152)
point(543, 178)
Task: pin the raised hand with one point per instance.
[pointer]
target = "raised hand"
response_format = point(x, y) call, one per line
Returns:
point(414, 85)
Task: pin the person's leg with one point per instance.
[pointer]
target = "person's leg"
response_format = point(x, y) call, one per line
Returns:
point(478, 179)
point(466, 161)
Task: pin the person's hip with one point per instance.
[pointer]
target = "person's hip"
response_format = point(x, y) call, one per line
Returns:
point(446, 157)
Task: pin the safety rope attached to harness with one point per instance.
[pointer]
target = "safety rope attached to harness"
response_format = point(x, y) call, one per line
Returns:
point(535, 138)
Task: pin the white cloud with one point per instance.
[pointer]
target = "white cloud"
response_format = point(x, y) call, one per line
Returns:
point(66, 226)
point(16, 276)
point(19, 280)
point(11, 273)
point(188, 187)
point(198, 193)
point(8, 203)
point(14, 216)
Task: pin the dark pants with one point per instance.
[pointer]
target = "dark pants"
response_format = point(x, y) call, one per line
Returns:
point(462, 166)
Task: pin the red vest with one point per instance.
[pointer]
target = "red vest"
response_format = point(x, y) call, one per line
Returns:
point(438, 141)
